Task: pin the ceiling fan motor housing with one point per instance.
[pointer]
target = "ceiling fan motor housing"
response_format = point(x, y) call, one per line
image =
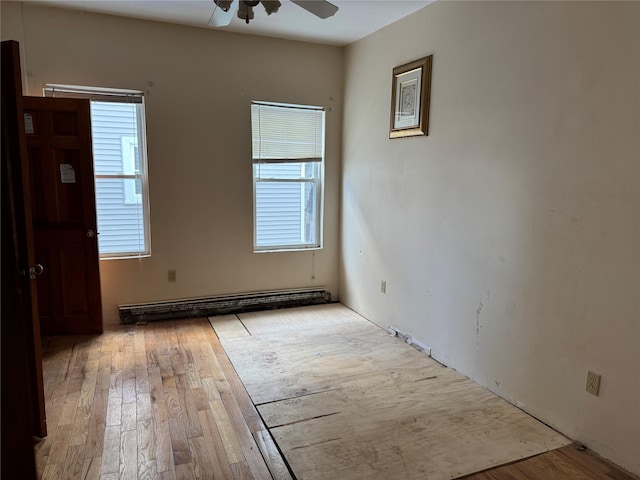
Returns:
point(245, 11)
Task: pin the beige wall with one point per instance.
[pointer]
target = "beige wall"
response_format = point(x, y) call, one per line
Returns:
point(509, 237)
point(199, 84)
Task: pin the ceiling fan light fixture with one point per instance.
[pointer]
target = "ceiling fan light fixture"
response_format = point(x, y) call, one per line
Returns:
point(271, 6)
point(223, 4)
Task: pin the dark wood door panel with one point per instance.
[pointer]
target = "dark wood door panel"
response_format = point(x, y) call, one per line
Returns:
point(64, 124)
point(69, 274)
point(63, 199)
point(58, 199)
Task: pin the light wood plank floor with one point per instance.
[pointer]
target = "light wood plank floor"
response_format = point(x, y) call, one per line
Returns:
point(567, 463)
point(150, 402)
point(162, 401)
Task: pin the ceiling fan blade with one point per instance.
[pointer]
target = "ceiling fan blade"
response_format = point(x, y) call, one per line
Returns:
point(221, 18)
point(320, 8)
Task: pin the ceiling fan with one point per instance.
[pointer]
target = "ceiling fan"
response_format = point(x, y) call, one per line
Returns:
point(224, 9)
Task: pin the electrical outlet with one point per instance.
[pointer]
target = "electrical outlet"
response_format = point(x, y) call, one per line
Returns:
point(383, 286)
point(171, 274)
point(593, 383)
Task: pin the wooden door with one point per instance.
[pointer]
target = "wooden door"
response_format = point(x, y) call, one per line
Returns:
point(60, 156)
point(22, 397)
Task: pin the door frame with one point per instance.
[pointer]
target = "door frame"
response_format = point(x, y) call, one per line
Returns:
point(23, 409)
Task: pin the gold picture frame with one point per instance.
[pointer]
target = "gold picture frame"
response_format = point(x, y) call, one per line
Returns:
point(410, 95)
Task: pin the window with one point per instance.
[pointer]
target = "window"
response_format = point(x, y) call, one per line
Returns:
point(120, 168)
point(288, 161)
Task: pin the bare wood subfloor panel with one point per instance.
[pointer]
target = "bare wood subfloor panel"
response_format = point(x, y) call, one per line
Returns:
point(298, 319)
point(159, 401)
point(344, 399)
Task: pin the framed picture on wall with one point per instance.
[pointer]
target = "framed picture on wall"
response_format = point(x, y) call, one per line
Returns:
point(410, 93)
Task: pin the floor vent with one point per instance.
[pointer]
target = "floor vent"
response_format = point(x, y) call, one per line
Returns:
point(220, 305)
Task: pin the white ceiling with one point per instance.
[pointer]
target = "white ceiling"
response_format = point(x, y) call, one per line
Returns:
point(354, 20)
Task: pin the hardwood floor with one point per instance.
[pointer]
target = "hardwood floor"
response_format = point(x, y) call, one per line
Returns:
point(162, 401)
point(150, 402)
point(567, 463)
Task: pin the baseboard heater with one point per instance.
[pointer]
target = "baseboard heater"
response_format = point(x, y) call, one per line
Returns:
point(221, 305)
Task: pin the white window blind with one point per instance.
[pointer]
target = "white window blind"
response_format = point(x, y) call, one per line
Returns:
point(120, 168)
point(288, 157)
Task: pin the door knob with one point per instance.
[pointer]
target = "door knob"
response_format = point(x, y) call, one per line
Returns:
point(91, 233)
point(34, 271)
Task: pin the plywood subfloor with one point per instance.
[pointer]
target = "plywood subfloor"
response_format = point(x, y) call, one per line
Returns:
point(343, 399)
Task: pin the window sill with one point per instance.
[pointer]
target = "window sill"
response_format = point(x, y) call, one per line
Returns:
point(125, 257)
point(287, 249)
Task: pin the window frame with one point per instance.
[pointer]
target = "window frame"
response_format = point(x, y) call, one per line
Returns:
point(131, 197)
point(317, 180)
